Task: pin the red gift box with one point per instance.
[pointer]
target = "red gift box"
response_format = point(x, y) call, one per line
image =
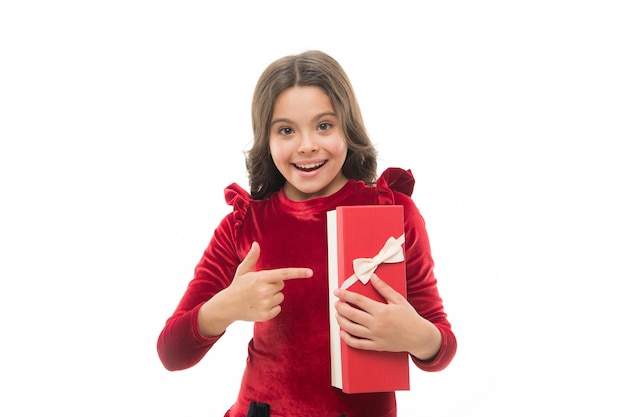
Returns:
point(361, 240)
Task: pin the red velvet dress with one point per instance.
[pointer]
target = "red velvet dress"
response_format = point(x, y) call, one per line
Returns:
point(288, 365)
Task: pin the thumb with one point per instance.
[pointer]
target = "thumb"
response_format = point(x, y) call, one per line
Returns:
point(248, 263)
point(384, 289)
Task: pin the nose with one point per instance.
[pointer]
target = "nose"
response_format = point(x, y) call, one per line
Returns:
point(307, 143)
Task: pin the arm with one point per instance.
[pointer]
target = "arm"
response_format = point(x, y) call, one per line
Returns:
point(423, 293)
point(181, 344)
point(213, 302)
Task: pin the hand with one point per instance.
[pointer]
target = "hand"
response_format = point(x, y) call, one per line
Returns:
point(258, 294)
point(393, 326)
point(252, 295)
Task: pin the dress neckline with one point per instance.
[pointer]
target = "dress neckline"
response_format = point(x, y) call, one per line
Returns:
point(316, 204)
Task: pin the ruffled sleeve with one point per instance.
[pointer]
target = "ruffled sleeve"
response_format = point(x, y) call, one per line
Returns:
point(240, 200)
point(394, 179)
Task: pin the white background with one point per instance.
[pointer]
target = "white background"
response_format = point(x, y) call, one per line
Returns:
point(122, 122)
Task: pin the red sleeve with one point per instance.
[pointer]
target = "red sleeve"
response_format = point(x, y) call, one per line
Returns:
point(422, 291)
point(395, 186)
point(180, 344)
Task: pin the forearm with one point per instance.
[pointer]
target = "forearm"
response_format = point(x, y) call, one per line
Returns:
point(427, 341)
point(180, 344)
point(215, 315)
point(444, 356)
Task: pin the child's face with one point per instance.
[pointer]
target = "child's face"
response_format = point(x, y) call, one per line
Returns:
point(307, 143)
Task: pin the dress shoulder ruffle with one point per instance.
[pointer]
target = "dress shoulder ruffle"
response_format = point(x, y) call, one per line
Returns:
point(394, 179)
point(240, 199)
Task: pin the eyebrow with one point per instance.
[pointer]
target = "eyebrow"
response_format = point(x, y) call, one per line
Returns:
point(319, 116)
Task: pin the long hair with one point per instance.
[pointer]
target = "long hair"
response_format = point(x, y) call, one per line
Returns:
point(311, 68)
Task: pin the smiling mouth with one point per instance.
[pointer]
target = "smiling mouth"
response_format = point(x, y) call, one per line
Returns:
point(309, 167)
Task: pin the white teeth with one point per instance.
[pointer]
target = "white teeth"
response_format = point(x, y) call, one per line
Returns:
point(309, 166)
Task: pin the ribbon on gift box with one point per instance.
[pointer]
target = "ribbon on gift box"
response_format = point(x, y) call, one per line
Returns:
point(391, 252)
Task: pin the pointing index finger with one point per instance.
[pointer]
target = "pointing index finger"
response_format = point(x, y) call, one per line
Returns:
point(292, 273)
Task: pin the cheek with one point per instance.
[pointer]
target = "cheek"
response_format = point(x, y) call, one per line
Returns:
point(278, 151)
point(274, 149)
point(341, 149)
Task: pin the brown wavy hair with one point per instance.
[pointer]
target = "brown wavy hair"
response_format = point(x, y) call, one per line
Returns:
point(310, 68)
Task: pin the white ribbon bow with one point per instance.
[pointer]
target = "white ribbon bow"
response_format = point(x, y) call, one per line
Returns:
point(391, 252)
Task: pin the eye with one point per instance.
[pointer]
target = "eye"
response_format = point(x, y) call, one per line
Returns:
point(324, 126)
point(285, 131)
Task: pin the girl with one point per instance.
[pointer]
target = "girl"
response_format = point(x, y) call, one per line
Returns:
point(267, 259)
